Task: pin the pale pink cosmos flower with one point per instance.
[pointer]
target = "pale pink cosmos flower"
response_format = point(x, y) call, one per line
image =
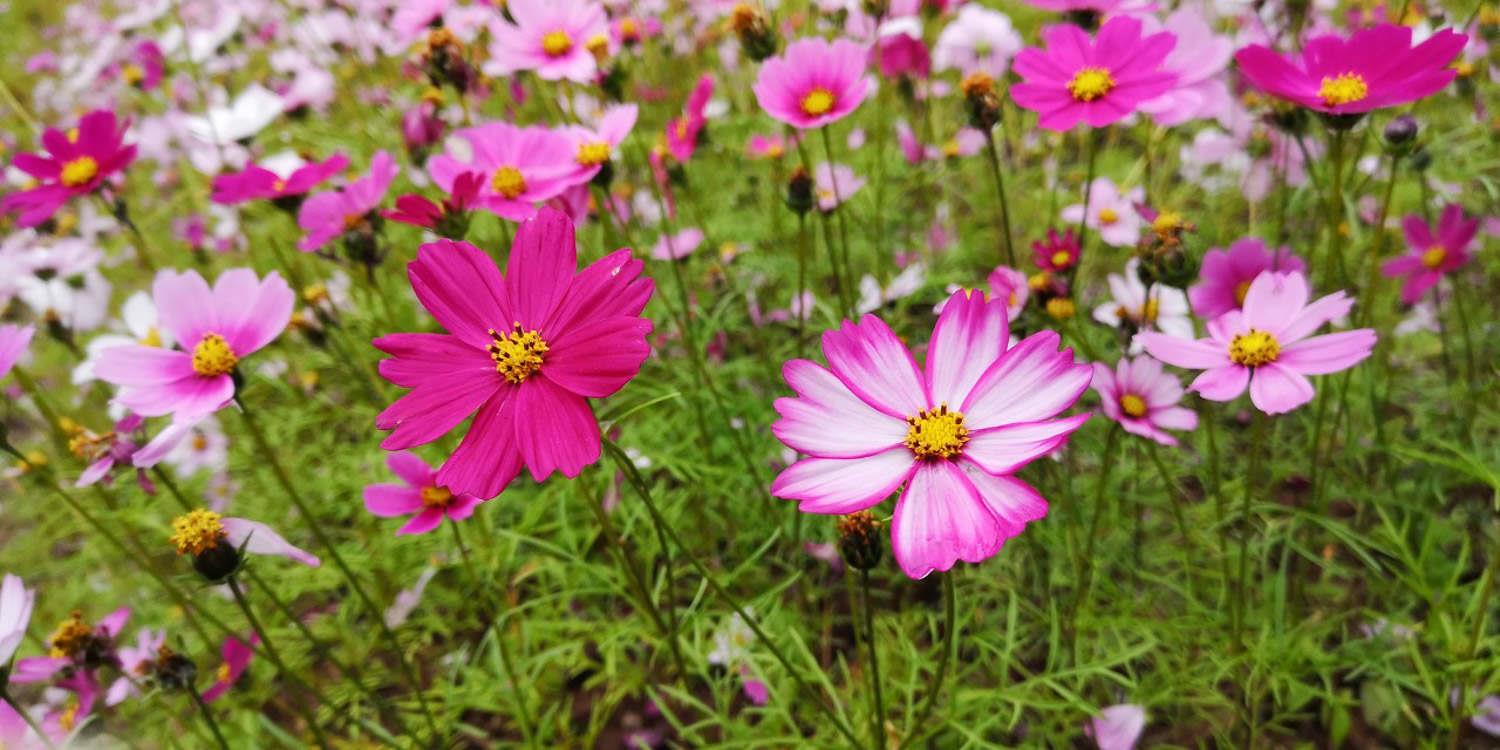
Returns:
point(135, 664)
point(1143, 399)
point(421, 497)
point(549, 38)
point(593, 146)
point(813, 82)
point(953, 434)
point(1268, 345)
point(522, 166)
point(1199, 61)
point(327, 215)
point(834, 185)
point(978, 39)
point(1117, 727)
point(1225, 274)
point(1430, 255)
point(1110, 213)
point(13, 342)
point(216, 328)
point(1137, 307)
point(16, 603)
point(677, 246)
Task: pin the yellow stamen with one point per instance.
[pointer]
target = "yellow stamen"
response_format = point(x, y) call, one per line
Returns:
point(1108, 216)
point(212, 356)
point(590, 154)
point(79, 171)
point(196, 532)
point(508, 182)
point(1134, 406)
point(517, 354)
point(557, 43)
point(1434, 256)
point(1062, 259)
point(1151, 310)
point(817, 102)
point(1061, 308)
point(69, 717)
point(70, 638)
point(1090, 83)
point(936, 433)
point(436, 497)
point(152, 337)
point(1254, 349)
point(1345, 88)
point(222, 675)
point(1167, 223)
point(598, 46)
point(132, 74)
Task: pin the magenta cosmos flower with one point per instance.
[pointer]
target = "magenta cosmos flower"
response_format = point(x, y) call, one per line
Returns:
point(216, 328)
point(1375, 67)
point(259, 183)
point(1225, 276)
point(421, 497)
point(77, 162)
point(1431, 255)
point(1095, 81)
point(953, 434)
point(526, 349)
point(1267, 345)
point(680, 137)
point(327, 215)
point(550, 38)
point(13, 342)
point(1142, 398)
point(523, 166)
point(236, 655)
point(813, 83)
point(1058, 253)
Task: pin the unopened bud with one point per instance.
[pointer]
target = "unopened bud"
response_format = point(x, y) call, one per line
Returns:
point(860, 540)
point(799, 191)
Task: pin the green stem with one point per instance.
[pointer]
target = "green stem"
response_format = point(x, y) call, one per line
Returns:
point(989, 144)
point(644, 492)
point(280, 664)
point(916, 731)
point(839, 210)
point(799, 307)
point(208, 716)
point(877, 737)
point(1252, 479)
point(1091, 144)
point(1481, 618)
point(1178, 501)
point(284, 479)
point(493, 619)
point(1106, 467)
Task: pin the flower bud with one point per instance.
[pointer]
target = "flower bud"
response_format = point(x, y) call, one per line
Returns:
point(200, 533)
point(173, 671)
point(799, 191)
point(981, 100)
point(754, 30)
point(860, 540)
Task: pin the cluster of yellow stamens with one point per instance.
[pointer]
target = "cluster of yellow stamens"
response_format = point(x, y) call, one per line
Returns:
point(79, 171)
point(1434, 256)
point(590, 154)
point(1090, 83)
point(213, 357)
point(517, 353)
point(819, 101)
point(196, 532)
point(1254, 349)
point(436, 497)
point(557, 43)
point(1134, 406)
point(1345, 88)
point(509, 182)
point(936, 433)
point(1108, 216)
point(70, 638)
point(1062, 259)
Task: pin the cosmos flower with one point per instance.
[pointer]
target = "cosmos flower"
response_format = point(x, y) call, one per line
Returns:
point(135, 664)
point(680, 137)
point(236, 655)
point(451, 218)
point(75, 646)
point(813, 82)
point(1225, 275)
point(978, 39)
point(953, 434)
point(1137, 307)
point(261, 183)
point(237, 317)
point(1117, 727)
point(1110, 212)
point(1267, 345)
point(1058, 253)
point(138, 315)
point(203, 532)
point(900, 51)
point(834, 185)
point(13, 342)
point(1143, 399)
point(593, 147)
point(1095, 81)
point(77, 162)
point(1199, 60)
point(327, 215)
point(525, 349)
point(421, 497)
point(523, 166)
point(549, 38)
point(1430, 255)
point(677, 246)
point(1373, 68)
point(16, 603)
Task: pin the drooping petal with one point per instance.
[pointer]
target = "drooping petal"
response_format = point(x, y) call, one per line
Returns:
point(1221, 383)
point(941, 519)
point(261, 539)
point(1275, 389)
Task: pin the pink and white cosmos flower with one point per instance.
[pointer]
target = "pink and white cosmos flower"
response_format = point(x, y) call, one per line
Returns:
point(1142, 399)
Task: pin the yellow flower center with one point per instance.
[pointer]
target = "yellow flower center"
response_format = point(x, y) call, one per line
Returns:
point(817, 102)
point(279, 185)
point(315, 293)
point(598, 46)
point(1434, 256)
point(1039, 281)
point(1254, 349)
point(132, 74)
point(1134, 406)
point(950, 148)
point(630, 29)
point(69, 717)
point(1167, 223)
point(200, 442)
point(79, 171)
point(590, 154)
point(508, 182)
point(1108, 216)
point(557, 43)
point(1151, 310)
point(1090, 84)
point(70, 638)
point(88, 446)
point(436, 497)
point(1345, 88)
point(1061, 308)
point(517, 354)
point(222, 675)
point(1240, 290)
point(213, 357)
point(936, 433)
point(152, 338)
point(1062, 258)
point(196, 532)
point(775, 151)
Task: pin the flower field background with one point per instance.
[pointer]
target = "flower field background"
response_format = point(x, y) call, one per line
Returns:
point(886, 374)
